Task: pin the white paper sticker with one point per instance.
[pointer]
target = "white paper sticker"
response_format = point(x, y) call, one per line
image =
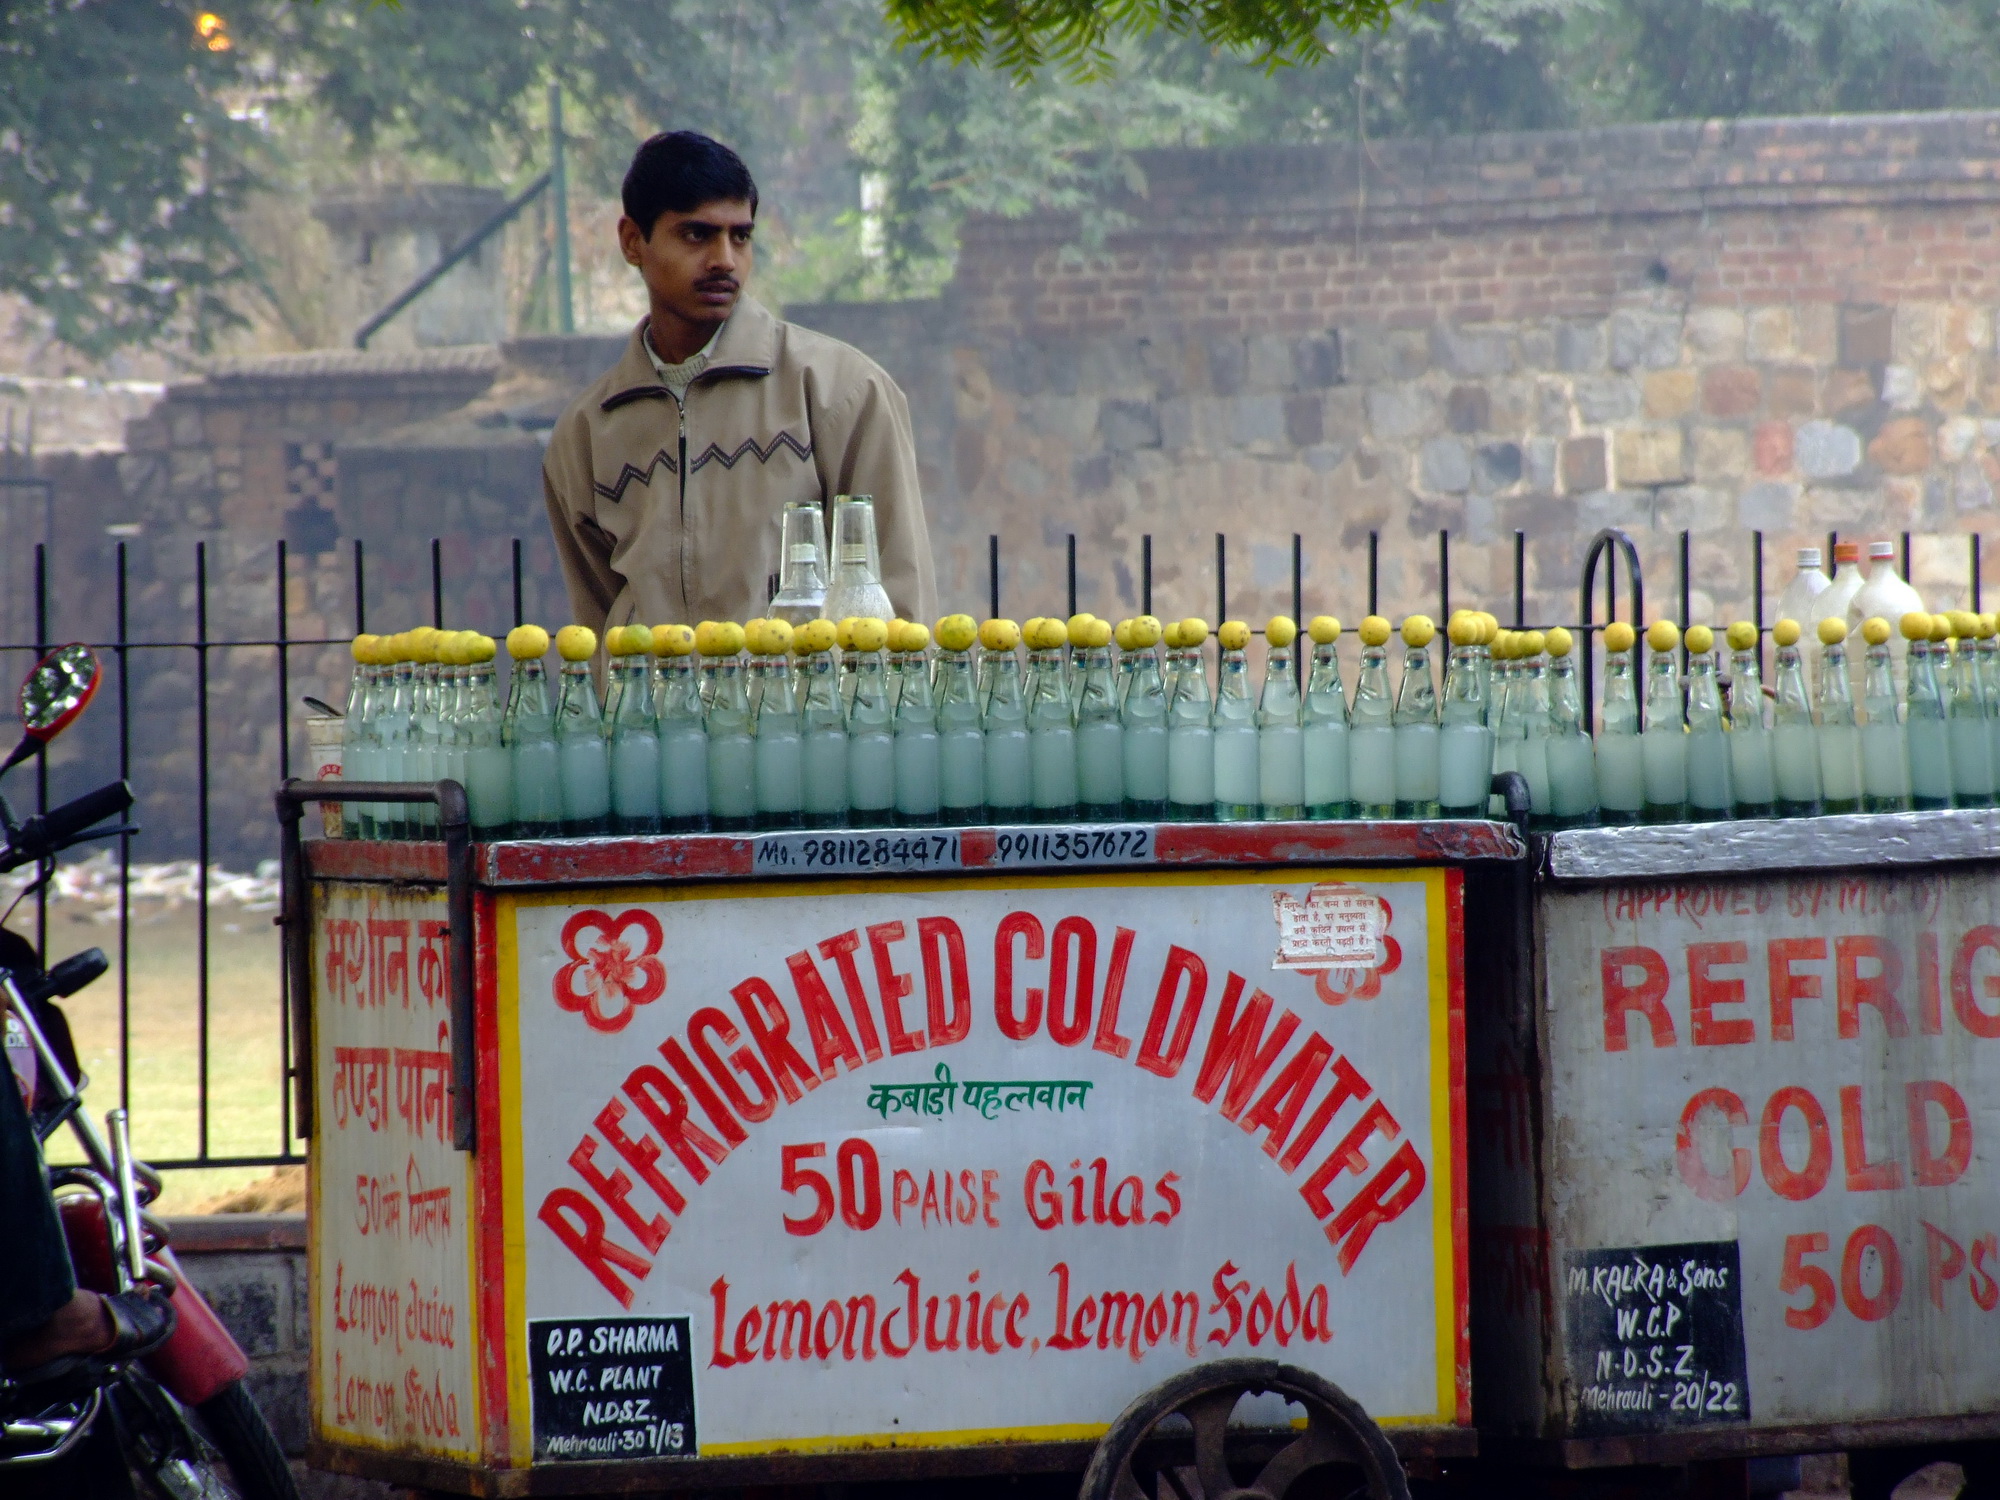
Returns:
point(1336, 925)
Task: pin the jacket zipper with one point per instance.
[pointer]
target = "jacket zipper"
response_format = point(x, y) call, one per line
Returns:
point(681, 405)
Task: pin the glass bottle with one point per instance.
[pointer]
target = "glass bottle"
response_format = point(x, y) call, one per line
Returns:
point(1531, 750)
point(732, 756)
point(1711, 796)
point(426, 753)
point(395, 729)
point(1503, 714)
point(1416, 724)
point(779, 769)
point(529, 733)
point(1572, 759)
point(1190, 730)
point(1465, 742)
point(683, 732)
point(1281, 773)
point(1794, 747)
point(1142, 714)
point(919, 758)
point(583, 754)
point(1051, 726)
point(1926, 735)
point(855, 590)
point(1371, 735)
point(635, 731)
point(1621, 776)
point(360, 745)
point(871, 731)
point(1839, 736)
point(1003, 721)
point(1234, 726)
point(1100, 733)
point(1987, 666)
point(1753, 779)
point(1965, 713)
point(1663, 746)
point(801, 592)
point(823, 726)
point(1323, 725)
point(961, 740)
point(489, 774)
point(454, 667)
point(1885, 762)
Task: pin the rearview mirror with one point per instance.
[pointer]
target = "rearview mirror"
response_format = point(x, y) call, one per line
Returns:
point(53, 694)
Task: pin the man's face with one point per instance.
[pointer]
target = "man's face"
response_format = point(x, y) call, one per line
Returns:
point(694, 264)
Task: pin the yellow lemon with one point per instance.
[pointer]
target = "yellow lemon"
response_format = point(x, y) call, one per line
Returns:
point(364, 647)
point(999, 635)
point(1534, 643)
point(815, 635)
point(527, 642)
point(488, 648)
point(916, 638)
point(1375, 631)
point(1172, 635)
point(1463, 630)
point(1700, 639)
point(1122, 634)
point(1078, 628)
point(1048, 634)
point(1832, 631)
point(1324, 629)
point(1559, 641)
point(1964, 623)
point(1742, 635)
point(1234, 635)
point(1280, 630)
point(576, 642)
point(1874, 630)
point(673, 640)
point(1194, 631)
point(843, 632)
point(1786, 632)
point(1619, 636)
point(1987, 626)
point(1100, 634)
point(869, 634)
point(1940, 629)
point(1418, 631)
point(777, 637)
point(1492, 624)
point(1916, 626)
point(1146, 632)
point(957, 632)
point(1663, 635)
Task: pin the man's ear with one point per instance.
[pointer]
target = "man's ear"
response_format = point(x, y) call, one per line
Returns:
point(630, 238)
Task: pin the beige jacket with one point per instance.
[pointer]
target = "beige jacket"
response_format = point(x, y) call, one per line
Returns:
point(666, 513)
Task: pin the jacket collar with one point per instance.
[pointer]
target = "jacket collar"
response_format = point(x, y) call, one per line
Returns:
point(748, 347)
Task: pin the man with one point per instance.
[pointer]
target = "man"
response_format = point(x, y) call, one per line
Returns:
point(666, 478)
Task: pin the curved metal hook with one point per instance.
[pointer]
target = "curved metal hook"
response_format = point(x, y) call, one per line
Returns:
point(1617, 542)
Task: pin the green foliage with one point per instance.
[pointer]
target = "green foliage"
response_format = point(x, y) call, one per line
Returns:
point(120, 168)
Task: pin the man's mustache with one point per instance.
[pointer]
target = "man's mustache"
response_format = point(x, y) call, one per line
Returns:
point(717, 284)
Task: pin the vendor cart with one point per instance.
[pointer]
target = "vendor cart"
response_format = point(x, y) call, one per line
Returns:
point(1734, 1184)
point(664, 1162)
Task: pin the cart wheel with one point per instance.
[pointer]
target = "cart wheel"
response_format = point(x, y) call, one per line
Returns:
point(1340, 1444)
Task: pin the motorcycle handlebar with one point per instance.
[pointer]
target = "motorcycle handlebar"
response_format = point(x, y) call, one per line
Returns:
point(59, 826)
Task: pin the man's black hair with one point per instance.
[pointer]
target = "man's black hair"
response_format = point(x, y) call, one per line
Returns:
point(679, 170)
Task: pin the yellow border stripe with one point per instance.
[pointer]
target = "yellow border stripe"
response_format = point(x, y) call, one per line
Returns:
point(507, 1000)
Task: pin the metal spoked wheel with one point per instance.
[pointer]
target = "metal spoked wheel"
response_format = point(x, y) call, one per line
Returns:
point(1147, 1455)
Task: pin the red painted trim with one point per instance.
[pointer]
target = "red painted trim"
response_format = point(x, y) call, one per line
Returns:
point(1461, 1231)
point(573, 861)
point(1332, 843)
point(353, 859)
point(488, 1215)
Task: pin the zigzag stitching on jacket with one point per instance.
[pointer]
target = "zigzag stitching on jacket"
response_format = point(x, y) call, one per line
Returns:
point(616, 492)
point(749, 445)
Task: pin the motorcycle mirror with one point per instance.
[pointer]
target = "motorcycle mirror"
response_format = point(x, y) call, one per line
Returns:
point(53, 694)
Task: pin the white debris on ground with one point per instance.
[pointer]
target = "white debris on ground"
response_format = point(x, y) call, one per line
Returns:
point(93, 884)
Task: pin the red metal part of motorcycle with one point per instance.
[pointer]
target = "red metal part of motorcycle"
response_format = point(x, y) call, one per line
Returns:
point(201, 1356)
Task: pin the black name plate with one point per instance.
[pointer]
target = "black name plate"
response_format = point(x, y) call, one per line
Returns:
point(1656, 1337)
point(606, 1388)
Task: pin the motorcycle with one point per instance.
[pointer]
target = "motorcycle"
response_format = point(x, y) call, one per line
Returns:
point(177, 1419)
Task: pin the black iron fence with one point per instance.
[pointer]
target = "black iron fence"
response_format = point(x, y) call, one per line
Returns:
point(89, 754)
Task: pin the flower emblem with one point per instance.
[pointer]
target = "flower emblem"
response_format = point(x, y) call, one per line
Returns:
point(613, 967)
point(1340, 985)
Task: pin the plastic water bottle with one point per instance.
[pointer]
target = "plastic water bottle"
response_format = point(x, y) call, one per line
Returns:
point(1323, 725)
point(823, 727)
point(1142, 713)
point(919, 763)
point(1281, 772)
point(530, 736)
point(1965, 713)
point(584, 755)
point(871, 731)
point(1885, 761)
point(779, 769)
point(1794, 745)
point(1711, 797)
point(1926, 734)
point(1100, 732)
point(1839, 735)
point(1621, 775)
point(1416, 724)
point(1234, 724)
point(961, 740)
point(683, 732)
point(1753, 780)
point(1571, 757)
point(635, 732)
point(1371, 735)
point(1051, 724)
point(1190, 729)
point(732, 774)
point(1003, 720)
point(1886, 595)
point(489, 774)
point(1465, 742)
point(1796, 602)
point(1663, 747)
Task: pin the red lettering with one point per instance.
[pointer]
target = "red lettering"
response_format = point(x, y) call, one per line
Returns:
point(1928, 1166)
point(1694, 1169)
point(718, 1291)
point(831, 1041)
point(642, 1155)
point(1985, 1288)
point(893, 987)
point(1981, 1023)
point(1024, 925)
point(839, 950)
point(1778, 1174)
point(1348, 1084)
point(1237, 1050)
point(615, 1188)
point(1796, 1276)
point(1705, 992)
point(712, 1106)
point(665, 1108)
point(709, 1020)
point(943, 948)
point(1348, 1156)
point(1787, 986)
point(1388, 1194)
point(1621, 1000)
point(1930, 996)
point(1853, 989)
point(1283, 1102)
point(1070, 1024)
point(1944, 1259)
point(1863, 1175)
point(1853, 1261)
point(1107, 1038)
point(579, 1224)
point(1156, 1053)
point(764, 1013)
